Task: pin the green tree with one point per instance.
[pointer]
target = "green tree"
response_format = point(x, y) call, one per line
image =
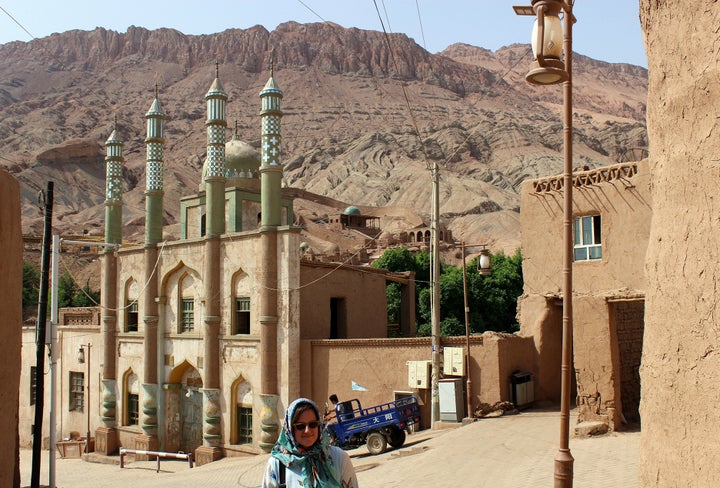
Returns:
point(85, 297)
point(67, 289)
point(399, 259)
point(392, 292)
point(31, 285)
point(493, 299)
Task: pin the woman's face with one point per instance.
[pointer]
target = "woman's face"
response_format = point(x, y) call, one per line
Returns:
point(307, 436)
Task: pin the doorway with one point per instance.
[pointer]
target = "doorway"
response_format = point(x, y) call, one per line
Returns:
point(629, 318)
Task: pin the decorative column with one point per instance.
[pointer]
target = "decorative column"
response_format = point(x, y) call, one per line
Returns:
point(106, 436)
point(270, 180)
point(154, 143)
point(216, 99)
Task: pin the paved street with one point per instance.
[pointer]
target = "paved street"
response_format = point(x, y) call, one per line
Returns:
point(513, 451)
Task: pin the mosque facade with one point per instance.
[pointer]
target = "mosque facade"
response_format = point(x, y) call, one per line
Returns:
point(200, 337)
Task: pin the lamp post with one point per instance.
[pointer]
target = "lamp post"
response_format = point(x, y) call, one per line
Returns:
point(484, 268)
point(84, 357)
point(547, 69)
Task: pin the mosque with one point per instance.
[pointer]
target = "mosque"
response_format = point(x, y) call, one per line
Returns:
point(200, 337)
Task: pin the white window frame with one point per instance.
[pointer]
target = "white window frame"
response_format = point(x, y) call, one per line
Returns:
point(587, 238)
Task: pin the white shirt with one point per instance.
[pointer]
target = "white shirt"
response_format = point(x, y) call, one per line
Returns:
point(293, 477)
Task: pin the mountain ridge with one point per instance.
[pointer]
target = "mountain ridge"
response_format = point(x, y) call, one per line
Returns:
point(365, 116)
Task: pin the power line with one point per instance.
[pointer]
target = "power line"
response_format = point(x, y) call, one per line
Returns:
point(402, 86)
point(18, 23)
point(422, 31)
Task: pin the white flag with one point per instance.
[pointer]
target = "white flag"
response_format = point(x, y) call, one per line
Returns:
point(357, 387)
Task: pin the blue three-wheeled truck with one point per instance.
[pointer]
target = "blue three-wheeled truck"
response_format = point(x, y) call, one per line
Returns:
point(375, 426)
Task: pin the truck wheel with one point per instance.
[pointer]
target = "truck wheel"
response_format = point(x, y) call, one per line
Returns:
point(397, 437)
point(376, 443)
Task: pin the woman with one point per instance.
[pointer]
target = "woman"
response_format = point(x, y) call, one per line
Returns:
point(302, 456)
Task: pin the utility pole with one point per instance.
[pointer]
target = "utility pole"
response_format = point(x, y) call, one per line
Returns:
point(40, 339)
point(435, 301)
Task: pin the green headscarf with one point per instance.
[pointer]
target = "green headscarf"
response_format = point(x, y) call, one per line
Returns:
point(316, 464)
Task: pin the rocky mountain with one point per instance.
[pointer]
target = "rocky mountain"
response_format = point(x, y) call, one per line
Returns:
point(366, 116)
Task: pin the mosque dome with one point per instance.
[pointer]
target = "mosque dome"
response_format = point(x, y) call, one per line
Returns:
point(241, 159)
point(242, 163)
point(352, 210)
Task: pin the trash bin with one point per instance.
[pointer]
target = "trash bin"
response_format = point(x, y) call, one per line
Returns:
point(522, 388)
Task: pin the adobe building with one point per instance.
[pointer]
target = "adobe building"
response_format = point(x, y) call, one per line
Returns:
point(10, 327)
point(352, 218)
point(612, 211)
point(680, 369)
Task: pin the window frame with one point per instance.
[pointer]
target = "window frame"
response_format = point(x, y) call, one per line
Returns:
point(187, 315)
point(133, 310)
point(587, 238)
point(244, 429)
point(133, 408)
point(241, 317)
point(76, 397)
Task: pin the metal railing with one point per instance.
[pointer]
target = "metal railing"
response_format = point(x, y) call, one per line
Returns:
point(157, 454)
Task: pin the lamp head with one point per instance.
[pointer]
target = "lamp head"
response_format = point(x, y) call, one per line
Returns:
point(484, 264)
point(547, 67)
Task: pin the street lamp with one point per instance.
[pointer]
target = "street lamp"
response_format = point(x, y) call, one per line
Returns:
point(484, 268)
point(547, 69)
point(81, 357)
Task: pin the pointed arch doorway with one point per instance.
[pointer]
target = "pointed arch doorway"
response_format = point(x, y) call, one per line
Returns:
point(185, 409)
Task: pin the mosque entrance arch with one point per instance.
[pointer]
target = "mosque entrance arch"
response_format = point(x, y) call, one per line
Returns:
point(185, 409)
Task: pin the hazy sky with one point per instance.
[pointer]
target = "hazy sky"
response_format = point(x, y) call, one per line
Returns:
point(608, 30)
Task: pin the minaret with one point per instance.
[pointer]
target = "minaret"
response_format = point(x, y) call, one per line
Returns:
point(216, 123)
point(154, 143)
point(270, 181)
point(107, 436)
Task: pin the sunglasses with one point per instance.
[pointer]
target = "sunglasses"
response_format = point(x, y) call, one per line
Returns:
point(301, 426)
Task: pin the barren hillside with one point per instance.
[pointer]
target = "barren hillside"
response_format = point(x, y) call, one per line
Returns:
point(363, 122)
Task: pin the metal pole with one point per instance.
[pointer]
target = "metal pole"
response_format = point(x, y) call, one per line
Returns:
point(435, 302)
point(53, 357)
point(467, 336)
point(564, 460)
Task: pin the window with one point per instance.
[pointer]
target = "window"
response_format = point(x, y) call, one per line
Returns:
point(131, 405)
point(132, 317)
point(244, 425)
point(188, 315)
point(588, 243)
point(33, 384)
point(132, 408)
point(77, 392)
point(242, 316)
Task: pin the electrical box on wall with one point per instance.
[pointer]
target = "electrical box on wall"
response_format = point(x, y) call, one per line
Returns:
point(419, 374)
point(454, 361)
